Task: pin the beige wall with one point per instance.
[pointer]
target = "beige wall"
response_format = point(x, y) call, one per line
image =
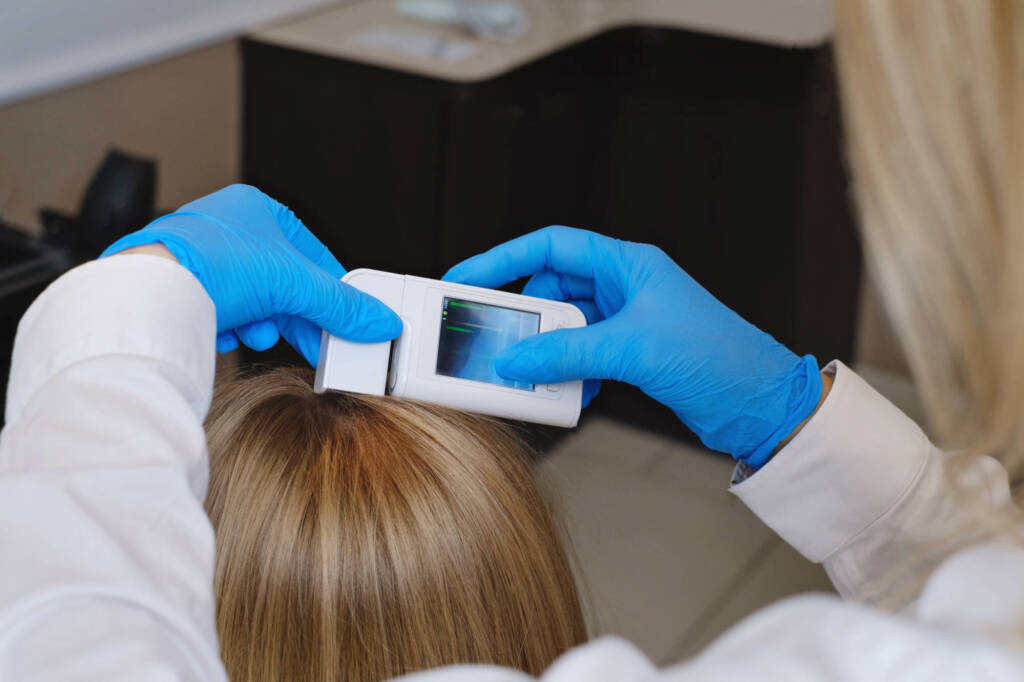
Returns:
point(183, 111)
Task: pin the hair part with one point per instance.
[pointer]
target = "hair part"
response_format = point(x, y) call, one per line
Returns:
point(362, 537)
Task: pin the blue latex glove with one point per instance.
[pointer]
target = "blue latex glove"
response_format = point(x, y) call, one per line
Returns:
point(653, 326)
point(267, 274)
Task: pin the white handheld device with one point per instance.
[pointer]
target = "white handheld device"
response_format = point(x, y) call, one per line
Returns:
point(445, 355)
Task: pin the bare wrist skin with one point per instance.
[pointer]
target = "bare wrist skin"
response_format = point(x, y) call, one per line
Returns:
point(155, 249)
point(826, 387)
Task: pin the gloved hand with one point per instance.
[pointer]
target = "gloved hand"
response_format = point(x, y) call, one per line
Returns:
point(653, 326)
point(267, 274)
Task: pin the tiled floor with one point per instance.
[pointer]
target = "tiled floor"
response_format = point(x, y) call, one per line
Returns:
point(668, 557)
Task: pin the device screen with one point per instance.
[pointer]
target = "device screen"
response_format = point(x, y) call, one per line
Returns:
point(473, 333)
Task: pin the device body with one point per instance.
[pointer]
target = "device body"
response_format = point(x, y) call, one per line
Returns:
point(450, 335)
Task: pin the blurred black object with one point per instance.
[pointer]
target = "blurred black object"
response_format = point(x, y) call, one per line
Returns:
point(118, 200)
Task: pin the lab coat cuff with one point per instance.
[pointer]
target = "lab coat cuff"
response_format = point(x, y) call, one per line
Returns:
point(138, 304)
point(849, 465)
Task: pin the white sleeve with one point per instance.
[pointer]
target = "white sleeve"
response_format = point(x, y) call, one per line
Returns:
point(863, 490)
point(106, 555)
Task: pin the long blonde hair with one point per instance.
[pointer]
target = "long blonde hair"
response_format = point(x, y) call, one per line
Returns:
point(360, 538)
point(933, 103)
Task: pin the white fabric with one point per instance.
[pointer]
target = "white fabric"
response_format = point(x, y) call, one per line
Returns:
point(106, 557)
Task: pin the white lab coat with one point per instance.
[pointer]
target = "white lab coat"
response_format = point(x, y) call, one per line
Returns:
point(106, 556)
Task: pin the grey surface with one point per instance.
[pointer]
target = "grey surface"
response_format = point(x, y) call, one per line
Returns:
point(668, 558)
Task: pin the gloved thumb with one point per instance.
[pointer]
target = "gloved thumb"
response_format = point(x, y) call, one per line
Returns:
point(556, 356)
point(346, 312)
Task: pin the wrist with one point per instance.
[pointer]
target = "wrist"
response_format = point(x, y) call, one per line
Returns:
point(161, 246)
point(155, 249)
point(805, 394)
point(826, 388)
point(170, 240)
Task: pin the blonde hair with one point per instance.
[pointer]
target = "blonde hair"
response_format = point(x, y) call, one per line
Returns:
point(932, 101)
point(361, 538)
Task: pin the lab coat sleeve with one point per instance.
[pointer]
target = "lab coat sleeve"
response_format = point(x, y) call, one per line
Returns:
point(863, 490)
point(106, 555)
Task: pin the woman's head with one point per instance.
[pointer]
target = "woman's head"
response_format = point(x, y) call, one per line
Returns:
point(360, 537)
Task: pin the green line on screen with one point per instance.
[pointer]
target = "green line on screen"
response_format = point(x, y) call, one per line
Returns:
point(465, 305)
point(458, 329)
point(480, 326)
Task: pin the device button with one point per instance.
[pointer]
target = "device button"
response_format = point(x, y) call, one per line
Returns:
point(553, 388)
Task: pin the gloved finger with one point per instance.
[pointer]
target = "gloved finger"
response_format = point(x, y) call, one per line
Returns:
point(302, 335)
point(589, 310)
point(562, 355)
point(305, 241)
point(259, 335)
point(226, 342)
point(591, 387)
point(342, 310)
point(563, 249)
point(556, 286)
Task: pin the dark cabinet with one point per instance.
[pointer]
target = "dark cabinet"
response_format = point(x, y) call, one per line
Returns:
point(727, 154)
